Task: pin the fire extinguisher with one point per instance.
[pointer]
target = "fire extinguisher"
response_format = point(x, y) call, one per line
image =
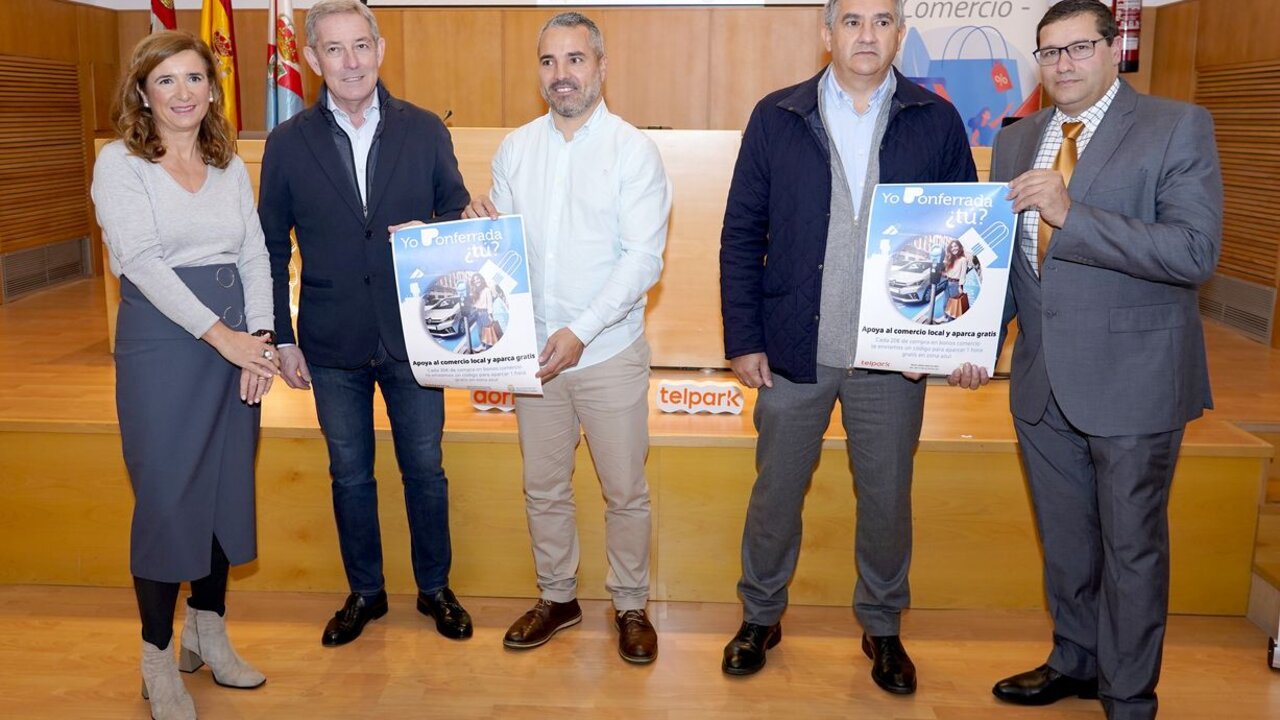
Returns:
point(1129, 19)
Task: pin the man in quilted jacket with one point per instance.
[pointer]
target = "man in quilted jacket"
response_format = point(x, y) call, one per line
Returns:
point(791, 270)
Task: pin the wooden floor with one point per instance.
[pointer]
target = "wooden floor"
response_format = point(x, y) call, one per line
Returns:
point(73, 653)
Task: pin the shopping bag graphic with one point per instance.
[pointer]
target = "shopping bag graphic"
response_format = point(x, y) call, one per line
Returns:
point(981, 79)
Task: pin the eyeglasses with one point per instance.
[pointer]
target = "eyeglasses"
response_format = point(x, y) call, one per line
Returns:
point(1082, 50)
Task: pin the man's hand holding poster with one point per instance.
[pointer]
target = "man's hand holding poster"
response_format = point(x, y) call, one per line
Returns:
point(465, 304)
point(935, 276)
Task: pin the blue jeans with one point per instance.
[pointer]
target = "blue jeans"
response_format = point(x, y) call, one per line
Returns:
point(344, 404)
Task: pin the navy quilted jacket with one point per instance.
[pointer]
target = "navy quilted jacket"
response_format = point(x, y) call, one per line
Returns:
point(775, 225)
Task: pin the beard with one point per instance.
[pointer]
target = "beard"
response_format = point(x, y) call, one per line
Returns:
point(573, 104)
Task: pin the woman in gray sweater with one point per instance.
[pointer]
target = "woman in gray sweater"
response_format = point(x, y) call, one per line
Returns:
point(194, 353)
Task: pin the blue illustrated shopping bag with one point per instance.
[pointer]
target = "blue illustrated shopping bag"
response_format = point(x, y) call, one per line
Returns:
point(977, 73)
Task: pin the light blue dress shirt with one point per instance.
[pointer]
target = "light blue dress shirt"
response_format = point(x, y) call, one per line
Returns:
point(852, 132)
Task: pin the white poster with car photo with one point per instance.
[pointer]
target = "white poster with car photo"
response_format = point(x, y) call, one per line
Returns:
point(465, 304)
point(936, 273)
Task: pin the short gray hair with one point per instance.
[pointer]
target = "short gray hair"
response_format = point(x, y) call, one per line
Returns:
point(572, 20)
point(829, 13)
point(325, 8)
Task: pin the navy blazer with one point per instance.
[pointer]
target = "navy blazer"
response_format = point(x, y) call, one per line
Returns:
point(349, 301)
point(780, 204)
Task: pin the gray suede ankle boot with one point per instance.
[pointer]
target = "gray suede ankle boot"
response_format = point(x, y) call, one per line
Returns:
point(162, 685)
point(204, 640)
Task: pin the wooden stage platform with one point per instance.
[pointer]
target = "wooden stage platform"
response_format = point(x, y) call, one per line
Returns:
point(67, 502)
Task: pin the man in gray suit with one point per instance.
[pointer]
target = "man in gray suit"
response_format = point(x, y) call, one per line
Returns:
point(1120, 196)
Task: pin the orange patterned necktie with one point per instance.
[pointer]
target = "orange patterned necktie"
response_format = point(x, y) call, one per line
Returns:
point(1064, 163)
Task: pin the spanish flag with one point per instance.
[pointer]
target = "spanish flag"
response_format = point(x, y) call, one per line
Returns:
point(218, 31)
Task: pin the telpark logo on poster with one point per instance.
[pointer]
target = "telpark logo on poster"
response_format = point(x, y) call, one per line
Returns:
point(696, 397)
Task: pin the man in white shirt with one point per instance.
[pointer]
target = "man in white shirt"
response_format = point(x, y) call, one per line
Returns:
point(595, 201)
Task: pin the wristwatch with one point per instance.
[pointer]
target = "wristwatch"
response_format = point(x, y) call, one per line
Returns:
point(270, 335)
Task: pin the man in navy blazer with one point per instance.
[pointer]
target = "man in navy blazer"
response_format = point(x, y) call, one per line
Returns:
point(1109, 363)
point(340, 175)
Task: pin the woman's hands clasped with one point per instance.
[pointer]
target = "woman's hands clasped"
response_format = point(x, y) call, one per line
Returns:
point(257, 358)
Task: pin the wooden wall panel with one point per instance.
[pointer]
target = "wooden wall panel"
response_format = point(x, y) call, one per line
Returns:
point(86, 38)
point(686, 68)
point(96, 29)
point(1245, 102)
point(1237, 31)
point(1174, 51)
point(521, 101)
point(130, 28)
point(251, 64)
point(683, 316)
point(453, 62)
point(659, 66)
point(40, 29)
point(99, 45)
point(394, 71)
point(42, 153)
point(788, 37)
point(100, 83)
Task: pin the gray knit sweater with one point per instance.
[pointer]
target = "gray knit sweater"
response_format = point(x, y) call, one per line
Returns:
point(151, 224)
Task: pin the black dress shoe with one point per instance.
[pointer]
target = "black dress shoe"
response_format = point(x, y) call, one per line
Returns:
point(1043, 686)
point(541, 623)
point(891, 667)
point(452, 620)
point(356, 612)
point(744, 654)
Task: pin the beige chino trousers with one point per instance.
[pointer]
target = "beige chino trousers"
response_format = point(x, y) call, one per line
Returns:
point(608, 401)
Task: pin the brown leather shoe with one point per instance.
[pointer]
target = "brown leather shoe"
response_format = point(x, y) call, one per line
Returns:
point(637, 640)
point(541, 623)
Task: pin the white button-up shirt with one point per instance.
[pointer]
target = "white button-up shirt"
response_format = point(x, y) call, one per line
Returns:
point(361, 140)
point(595, 215)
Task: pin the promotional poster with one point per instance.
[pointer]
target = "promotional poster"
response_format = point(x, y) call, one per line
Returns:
point(465, 304)
point(935, 277)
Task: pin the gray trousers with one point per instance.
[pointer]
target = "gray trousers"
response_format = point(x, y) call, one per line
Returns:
point(1101, 506)
point(881, 414)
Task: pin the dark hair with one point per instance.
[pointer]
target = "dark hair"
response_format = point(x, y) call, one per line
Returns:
point(475, 286)
point(1064, 9)
point(133, 120)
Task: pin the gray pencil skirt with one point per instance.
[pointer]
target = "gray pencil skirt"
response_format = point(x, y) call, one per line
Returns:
point(189, 441)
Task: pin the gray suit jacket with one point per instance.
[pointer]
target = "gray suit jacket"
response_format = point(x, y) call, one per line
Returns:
point(1112, 328)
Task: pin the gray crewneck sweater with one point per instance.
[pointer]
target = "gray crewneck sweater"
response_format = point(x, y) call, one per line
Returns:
point(151, 224)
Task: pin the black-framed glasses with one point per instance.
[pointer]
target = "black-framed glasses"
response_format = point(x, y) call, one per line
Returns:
point(1082, 50)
